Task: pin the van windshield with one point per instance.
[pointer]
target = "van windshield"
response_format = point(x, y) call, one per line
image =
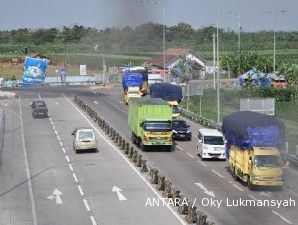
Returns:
point(157, 126)
point(267, 161)
point(213, 140)
point(85, 134)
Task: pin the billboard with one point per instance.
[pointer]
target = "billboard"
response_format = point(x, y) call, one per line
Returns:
point(83, 70)
point(34, 71)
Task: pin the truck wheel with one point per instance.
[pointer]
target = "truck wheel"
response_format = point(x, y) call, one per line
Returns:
point(251, 187)
point(234, 174)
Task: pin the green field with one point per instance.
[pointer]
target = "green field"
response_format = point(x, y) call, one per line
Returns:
point(285, 111)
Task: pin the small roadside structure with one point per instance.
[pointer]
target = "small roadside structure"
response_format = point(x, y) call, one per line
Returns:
point(180, 61)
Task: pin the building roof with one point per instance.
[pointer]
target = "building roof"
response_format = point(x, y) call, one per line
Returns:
point(170, 55)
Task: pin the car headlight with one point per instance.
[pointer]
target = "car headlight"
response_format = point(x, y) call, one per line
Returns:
point(188, 131)
point(175, 132)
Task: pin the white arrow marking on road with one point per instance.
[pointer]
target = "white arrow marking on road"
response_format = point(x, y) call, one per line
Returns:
point(56, 195)
point(120, 196)
point(211, 193)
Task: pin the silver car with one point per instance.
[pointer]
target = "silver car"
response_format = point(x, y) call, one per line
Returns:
point(84, 139)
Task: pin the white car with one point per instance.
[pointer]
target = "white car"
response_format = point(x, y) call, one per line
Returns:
point(211, 144)
point(84, 139)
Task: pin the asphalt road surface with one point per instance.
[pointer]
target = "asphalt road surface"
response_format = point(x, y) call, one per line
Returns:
point(41, 150)
point(43, 181)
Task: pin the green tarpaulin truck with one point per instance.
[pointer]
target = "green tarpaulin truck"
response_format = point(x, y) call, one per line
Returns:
point(150, 121)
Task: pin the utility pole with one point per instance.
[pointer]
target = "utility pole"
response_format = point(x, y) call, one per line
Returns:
point(217, 52)
point(214, 60)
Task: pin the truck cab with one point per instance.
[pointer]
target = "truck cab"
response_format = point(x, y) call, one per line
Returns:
point(260, 166)
point(175, 105)
point(132, 92)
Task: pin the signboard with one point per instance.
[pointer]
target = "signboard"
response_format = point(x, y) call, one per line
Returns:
point(83, 70)
point(260, 105)
point(192, 90)
point(34, 71)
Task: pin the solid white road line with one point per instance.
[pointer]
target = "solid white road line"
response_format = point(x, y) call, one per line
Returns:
point(239, 188)
point(86, 205)
point(75, 177)
point(283, 218)
point(93, 221)
point(129, 163)
point(190, 155)
point(80, 190)
point(217, 173)
point(33, 208)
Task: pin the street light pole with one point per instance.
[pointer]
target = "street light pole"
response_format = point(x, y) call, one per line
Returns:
point(274, 14)
point(214, 61)
point(164, 42)
point(239, 38)
point(217, 46)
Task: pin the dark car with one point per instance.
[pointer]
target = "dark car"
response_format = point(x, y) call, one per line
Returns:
point(181, 130)
point(39, 109)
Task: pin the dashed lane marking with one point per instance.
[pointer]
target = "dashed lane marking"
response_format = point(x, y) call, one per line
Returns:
point(282, 217)
point(80, 190)
point(63, 150)
point(239, 188)
point(217, 173)
point(86, 205)
point(67, 158)
point(190, 155)
point(252, 197)
point(204, 164)
point(70, 167)
point(75, 177)
point(93, 221)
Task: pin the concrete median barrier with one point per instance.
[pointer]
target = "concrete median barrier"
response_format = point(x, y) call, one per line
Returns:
point(201, 218)
point(161, 183)
point(168, 190)
point(144, 168)
point(183, 208)
point(167, 193)
point(191, 216)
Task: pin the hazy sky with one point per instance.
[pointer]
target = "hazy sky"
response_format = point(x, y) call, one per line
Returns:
point(105, 13)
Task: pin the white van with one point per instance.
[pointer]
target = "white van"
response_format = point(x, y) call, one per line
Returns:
point(211, 144)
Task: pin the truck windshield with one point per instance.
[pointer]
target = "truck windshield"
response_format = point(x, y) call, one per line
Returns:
point(267, 161)
point(157, 126)
point(175, 109)
point(213, 140)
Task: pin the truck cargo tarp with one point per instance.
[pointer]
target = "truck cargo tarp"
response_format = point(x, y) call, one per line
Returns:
point(248, 129)
point(166, 91)
point(131, 80)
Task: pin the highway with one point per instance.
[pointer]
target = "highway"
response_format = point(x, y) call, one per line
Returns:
point(43, 181)
point(184, 168)
point(38, 159)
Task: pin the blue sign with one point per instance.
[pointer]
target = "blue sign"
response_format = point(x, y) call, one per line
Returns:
point(34, 71)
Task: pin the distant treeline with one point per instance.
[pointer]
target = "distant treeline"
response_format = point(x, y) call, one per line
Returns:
point(144, 38)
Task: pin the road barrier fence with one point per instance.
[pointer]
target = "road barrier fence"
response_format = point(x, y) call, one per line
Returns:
point(192, 215)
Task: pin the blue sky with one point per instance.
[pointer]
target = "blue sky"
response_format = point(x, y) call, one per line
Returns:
point(105, 13)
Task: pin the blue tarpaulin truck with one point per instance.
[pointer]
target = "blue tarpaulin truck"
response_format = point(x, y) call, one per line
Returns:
point(169, 92)
point(132, 84)
point(253, 141)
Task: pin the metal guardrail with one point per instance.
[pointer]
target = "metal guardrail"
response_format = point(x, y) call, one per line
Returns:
point(199, 119)
point(210, 123)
